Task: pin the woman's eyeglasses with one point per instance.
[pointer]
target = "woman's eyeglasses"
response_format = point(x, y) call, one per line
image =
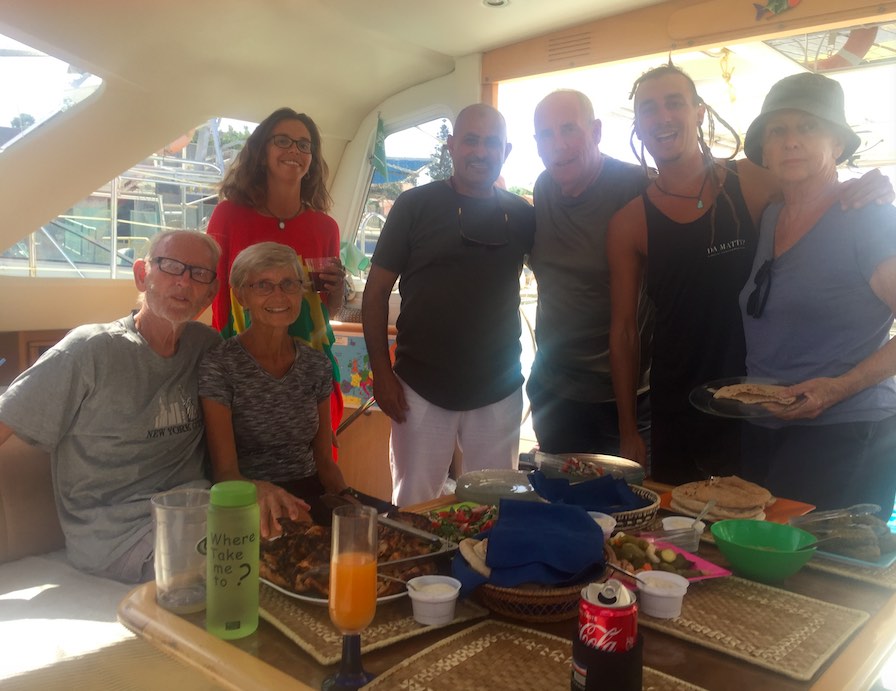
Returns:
point(284, 142)
point(473, 242)
point(171, 266)
point(757, 299)
point(289, 286)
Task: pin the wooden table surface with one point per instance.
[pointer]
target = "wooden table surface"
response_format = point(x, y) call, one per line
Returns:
point(267, 659)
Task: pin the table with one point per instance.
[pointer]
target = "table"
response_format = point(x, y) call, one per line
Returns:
point(267, 659)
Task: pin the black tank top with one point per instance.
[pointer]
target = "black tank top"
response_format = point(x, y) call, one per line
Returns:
point(694, 275)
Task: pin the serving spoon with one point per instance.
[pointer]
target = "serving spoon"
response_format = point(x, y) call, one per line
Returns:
point(407, 584)
point(627, 573)
point(705, 510)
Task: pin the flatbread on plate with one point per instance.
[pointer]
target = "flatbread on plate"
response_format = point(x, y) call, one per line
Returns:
point(752, 393)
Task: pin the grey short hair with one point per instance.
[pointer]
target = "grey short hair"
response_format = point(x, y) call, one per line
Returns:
point(213, 247)
point(261, 256)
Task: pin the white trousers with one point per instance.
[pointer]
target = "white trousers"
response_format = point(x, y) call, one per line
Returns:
point(421, 447)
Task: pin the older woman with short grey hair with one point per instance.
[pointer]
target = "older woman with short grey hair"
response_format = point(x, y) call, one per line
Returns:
point(265, 394)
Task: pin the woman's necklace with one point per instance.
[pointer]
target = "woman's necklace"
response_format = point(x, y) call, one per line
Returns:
point(698, 196)
point(282, 221)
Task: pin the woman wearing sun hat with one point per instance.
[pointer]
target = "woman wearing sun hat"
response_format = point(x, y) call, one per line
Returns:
point(817, 311)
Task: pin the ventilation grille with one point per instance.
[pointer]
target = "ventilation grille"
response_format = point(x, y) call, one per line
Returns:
point(569, 47)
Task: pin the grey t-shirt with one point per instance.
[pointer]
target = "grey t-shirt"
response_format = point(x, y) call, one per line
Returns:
point(274, 420)
point(569, 259)
point(121, 423)
point(821, 317)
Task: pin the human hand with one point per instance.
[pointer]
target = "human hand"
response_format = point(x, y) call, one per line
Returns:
point(332, 275)
point(632, 447)
point(389, 395)
point(873, 186)
point(814, 396)
point(275, 502)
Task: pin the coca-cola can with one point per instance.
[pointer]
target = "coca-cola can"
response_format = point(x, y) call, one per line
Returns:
point(608, 617)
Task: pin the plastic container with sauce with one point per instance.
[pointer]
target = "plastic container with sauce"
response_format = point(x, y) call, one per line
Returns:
point(433, 599)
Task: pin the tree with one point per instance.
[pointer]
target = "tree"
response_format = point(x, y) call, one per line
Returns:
point(440, 162)
point(22, 121)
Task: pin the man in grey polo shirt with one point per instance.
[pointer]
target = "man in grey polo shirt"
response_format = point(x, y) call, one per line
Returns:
point(116, 406)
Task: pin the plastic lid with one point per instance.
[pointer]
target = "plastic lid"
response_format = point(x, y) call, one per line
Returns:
point(234, 493)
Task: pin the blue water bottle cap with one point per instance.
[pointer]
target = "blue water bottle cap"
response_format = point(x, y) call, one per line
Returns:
point(234, 493)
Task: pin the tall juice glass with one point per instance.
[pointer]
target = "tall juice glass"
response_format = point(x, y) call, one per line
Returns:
point(352, 599)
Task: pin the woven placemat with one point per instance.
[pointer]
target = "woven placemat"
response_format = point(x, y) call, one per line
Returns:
point(308, 625)
point(769, 627)
point(885, 578)
point(495, 655)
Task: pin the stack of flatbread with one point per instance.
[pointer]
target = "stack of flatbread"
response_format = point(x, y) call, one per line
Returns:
point(474, 552)
point(755, 393)
point(734, 496)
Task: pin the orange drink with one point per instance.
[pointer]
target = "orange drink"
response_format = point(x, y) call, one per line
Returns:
point(352, 591)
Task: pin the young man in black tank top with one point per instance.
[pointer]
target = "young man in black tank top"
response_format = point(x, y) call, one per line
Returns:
point(698, 218)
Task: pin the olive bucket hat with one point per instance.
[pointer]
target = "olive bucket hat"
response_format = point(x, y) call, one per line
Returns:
point(811, 93)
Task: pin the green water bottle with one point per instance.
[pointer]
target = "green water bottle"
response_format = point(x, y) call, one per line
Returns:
point(232, 560)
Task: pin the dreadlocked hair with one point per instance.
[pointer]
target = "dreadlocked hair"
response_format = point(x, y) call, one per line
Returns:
point(704, 140)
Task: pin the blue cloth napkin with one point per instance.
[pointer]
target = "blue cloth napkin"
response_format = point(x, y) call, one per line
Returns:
point(606, 494)
point(532, 542)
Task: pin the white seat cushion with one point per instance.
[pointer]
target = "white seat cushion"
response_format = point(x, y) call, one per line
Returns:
point(50, 611)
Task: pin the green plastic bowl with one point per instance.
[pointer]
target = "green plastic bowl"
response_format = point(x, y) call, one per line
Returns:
point(761, 550)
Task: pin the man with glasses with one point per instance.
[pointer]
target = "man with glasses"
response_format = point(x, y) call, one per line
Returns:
point(458, 246)
point(117, 407)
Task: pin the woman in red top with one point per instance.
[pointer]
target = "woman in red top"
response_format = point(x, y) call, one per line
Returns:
point(275, 191)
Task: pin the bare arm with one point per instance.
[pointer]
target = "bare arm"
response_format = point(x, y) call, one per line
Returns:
point(626, 245)
point(760, 187)
point(820, 394)
point(273, 501)
point(387, 389)
point(329, 473)
point(5, 433)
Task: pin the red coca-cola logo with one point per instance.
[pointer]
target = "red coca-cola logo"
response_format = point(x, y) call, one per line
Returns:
point(610, 630)
point(602, 638)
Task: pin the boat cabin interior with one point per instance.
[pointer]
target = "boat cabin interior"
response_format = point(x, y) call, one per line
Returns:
point(155, 99)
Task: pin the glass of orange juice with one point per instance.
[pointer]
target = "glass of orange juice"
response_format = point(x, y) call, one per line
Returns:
point(352, 599)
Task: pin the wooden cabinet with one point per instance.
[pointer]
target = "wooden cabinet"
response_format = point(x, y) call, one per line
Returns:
point(364, 454)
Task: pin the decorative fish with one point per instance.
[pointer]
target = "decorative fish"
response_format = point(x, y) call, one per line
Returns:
point(773, 7)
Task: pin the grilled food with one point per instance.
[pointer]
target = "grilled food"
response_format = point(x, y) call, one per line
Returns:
point(299, 559)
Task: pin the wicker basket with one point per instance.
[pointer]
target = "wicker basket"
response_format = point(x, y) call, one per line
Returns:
point(532, 603)
point(639, 519)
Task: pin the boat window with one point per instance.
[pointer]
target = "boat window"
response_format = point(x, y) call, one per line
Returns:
point(25, 107)
point(414, 156)
point(102, 234)
point(734, 80)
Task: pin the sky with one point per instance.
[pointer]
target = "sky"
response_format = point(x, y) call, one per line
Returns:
point(17, 78)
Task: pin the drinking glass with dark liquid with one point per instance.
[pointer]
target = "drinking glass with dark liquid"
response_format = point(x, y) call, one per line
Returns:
point(315, 266)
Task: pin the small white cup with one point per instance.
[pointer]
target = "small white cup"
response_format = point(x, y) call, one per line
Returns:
point(433, 599)
point(691, 544)
point(606, 522)
point(660, 593)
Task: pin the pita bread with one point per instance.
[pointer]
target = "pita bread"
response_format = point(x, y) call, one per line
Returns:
point(755, 393)
point(717, 513)
point(730, 492)
point(474, 551)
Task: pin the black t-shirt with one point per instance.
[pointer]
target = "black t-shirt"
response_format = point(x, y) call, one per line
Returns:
point(459, 259)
